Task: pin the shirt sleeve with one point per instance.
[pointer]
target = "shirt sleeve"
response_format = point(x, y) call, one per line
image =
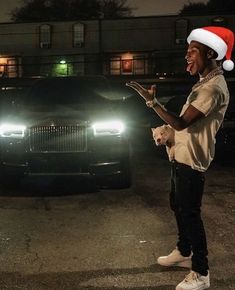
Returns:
point(206, 99)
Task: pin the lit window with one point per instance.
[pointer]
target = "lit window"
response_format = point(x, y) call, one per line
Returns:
point(9, 67)
point(127, 66)
point(12, 68)
point(115, 66)
point(45, 36)
point(78, 35)
point(139, 65)
point(127, 63)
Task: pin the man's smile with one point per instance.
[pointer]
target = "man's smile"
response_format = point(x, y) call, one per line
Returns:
point(189, 66)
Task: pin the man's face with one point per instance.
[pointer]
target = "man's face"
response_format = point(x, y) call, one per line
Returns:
point(197, 58)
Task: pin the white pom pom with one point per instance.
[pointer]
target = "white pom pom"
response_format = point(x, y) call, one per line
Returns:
point(228, 65)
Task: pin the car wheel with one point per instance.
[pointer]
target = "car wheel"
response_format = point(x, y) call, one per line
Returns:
point(122, 180)
point(9, 180)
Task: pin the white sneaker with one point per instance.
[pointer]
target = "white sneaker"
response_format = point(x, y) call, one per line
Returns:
point(175, 259)
point(194, 281)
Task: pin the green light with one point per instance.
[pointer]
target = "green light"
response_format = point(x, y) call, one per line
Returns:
point(63, 61)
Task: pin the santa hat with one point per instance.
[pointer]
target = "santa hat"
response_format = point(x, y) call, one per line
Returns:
point(220, 39)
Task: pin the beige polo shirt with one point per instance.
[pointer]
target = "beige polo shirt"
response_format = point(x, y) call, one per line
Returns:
point(195, 145)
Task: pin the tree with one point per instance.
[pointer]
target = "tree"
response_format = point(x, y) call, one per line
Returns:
point(62, 10)
point(193, 9)
point(212, 7)
point(109, 8)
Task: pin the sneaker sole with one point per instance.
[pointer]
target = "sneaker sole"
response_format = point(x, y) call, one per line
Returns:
point(196, 288)
point(183, 264)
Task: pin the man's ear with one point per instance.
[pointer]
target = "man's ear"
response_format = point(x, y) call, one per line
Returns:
point(211, 54)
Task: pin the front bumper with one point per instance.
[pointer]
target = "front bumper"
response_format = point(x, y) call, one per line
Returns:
point(103, 157)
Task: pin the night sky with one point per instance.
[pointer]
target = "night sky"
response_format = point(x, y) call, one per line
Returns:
point(143, 8)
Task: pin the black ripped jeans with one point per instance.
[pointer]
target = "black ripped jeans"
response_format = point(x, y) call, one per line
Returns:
point(187, 187)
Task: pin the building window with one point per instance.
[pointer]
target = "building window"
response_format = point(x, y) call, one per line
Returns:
point(127, 66)
point(139, 65)
point(115, 66)
point(12, 68)
point(127, 63)
point(45, 36)
point(181, 31)
point(9, 67)
point(78, 35)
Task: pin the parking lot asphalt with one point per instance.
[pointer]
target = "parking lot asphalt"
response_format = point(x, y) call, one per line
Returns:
point(61, 235)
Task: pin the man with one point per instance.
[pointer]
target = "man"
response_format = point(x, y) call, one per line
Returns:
point(195, 131)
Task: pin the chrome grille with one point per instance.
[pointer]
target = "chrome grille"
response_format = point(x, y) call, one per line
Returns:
point(58, 139)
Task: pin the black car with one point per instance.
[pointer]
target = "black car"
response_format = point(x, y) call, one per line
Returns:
point(66, 126)
point(225, 141)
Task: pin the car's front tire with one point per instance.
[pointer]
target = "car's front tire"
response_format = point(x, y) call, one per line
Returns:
point(122, 180)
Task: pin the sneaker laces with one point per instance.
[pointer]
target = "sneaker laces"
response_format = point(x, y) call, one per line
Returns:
point(192, 276)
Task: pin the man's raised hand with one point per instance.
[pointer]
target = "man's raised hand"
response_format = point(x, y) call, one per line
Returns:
point(147, 94)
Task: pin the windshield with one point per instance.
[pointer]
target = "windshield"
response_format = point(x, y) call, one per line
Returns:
point(70, 90)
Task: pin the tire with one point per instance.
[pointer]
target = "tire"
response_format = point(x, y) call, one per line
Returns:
point(9, 180)
point(122, 180)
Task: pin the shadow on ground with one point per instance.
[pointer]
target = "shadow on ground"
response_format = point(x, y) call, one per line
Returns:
point(46, 186)
point(74, 280)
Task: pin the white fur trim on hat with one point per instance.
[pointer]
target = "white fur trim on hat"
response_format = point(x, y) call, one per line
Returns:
point(210, 39)
point(228, 65)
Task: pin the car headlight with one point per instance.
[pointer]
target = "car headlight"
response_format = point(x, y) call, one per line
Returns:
point(108, 128)
point(12, 131)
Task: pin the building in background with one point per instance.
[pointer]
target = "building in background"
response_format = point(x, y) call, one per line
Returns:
point(137, 46)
